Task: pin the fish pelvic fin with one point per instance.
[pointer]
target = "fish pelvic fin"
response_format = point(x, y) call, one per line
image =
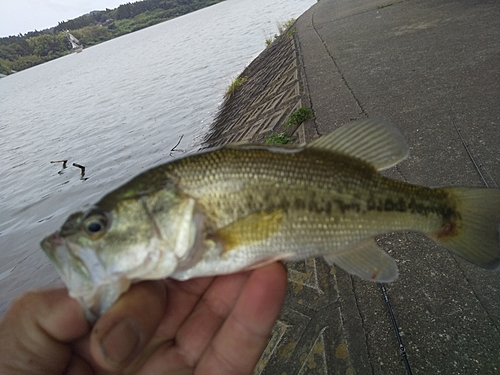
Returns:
point(375, 141)
point(250, 229)
point(475, 234)
point(366, 260)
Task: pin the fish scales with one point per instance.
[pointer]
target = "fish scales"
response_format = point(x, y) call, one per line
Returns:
point(329, 200)
point(242, 206)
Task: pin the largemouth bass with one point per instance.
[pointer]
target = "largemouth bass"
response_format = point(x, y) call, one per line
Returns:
point(242, 206)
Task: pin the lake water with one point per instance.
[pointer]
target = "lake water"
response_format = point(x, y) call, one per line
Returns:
point(117, 108)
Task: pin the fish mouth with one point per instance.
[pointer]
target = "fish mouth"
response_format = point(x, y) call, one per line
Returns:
point(56, 249)
point(84, 274)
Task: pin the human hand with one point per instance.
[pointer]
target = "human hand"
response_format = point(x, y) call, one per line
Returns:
point(213, 325)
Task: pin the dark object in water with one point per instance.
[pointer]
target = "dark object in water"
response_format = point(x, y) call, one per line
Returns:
point(82, 170)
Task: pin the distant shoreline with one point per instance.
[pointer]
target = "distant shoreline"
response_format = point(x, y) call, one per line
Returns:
point(36, 47)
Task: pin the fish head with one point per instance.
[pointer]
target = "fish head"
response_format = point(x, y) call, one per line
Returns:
point(101, 251)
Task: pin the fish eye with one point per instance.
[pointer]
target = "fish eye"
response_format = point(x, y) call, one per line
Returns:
point(94, 227)
point(95, 223)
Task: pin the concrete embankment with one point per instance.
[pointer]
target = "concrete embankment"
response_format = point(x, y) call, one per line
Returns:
point(273, 89)
point(432, 68)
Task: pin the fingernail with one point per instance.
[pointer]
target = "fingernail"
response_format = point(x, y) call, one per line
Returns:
point(120, 342)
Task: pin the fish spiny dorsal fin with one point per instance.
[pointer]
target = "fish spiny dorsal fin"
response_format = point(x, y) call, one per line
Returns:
point(375, 141)
point(238, 144)
point(366, 260)
point(284, 149)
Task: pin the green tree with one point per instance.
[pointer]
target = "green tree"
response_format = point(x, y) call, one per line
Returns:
point(41, 45)
point(25, 62)
point(5, 66)
point(76, 23)
point(90, 35)
point(124, 11)
point(14, 50)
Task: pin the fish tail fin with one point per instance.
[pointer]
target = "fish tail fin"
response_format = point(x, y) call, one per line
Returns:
point(474, 232)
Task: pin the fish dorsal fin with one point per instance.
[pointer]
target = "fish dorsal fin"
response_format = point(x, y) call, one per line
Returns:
point(250, 229)
point(238, 144)
point(366, 260)
point(375, 141)
point(284, 149)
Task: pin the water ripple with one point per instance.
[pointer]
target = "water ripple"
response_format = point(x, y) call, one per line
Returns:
point(117, 108)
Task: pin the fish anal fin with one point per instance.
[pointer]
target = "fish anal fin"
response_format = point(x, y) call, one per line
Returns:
point(268, 260)
point(250, 229)
point(375, 141)
point(366, 260)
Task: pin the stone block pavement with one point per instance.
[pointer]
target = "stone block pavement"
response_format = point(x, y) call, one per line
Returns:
point(432, 67)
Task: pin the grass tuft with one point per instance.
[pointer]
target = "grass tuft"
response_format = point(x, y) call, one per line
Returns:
point(278, 139)
point(282, 27)
point(237, 82)
point(298, 117)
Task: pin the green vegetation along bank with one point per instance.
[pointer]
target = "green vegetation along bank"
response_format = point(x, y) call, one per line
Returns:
point(35, 47)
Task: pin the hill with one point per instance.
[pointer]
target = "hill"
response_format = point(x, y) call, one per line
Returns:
point(35, 47)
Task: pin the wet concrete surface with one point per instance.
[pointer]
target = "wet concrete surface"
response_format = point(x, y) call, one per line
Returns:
point(431, 68)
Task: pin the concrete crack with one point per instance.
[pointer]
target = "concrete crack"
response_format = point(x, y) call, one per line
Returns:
point(307, 89)
point(344, 80)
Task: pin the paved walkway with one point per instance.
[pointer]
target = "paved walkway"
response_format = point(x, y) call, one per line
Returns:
point(432, 67)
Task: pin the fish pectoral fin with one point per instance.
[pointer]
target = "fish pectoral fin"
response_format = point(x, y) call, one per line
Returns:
point(250, 229)
point(366, 260)
point(375, 141)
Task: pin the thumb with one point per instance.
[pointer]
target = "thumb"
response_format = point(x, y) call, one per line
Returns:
point(36, 330)
point(120, 337)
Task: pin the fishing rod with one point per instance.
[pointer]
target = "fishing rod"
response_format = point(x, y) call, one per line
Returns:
point(466, 146)
point(396, 329)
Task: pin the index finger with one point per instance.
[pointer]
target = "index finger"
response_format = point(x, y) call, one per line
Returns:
point(248, 327)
